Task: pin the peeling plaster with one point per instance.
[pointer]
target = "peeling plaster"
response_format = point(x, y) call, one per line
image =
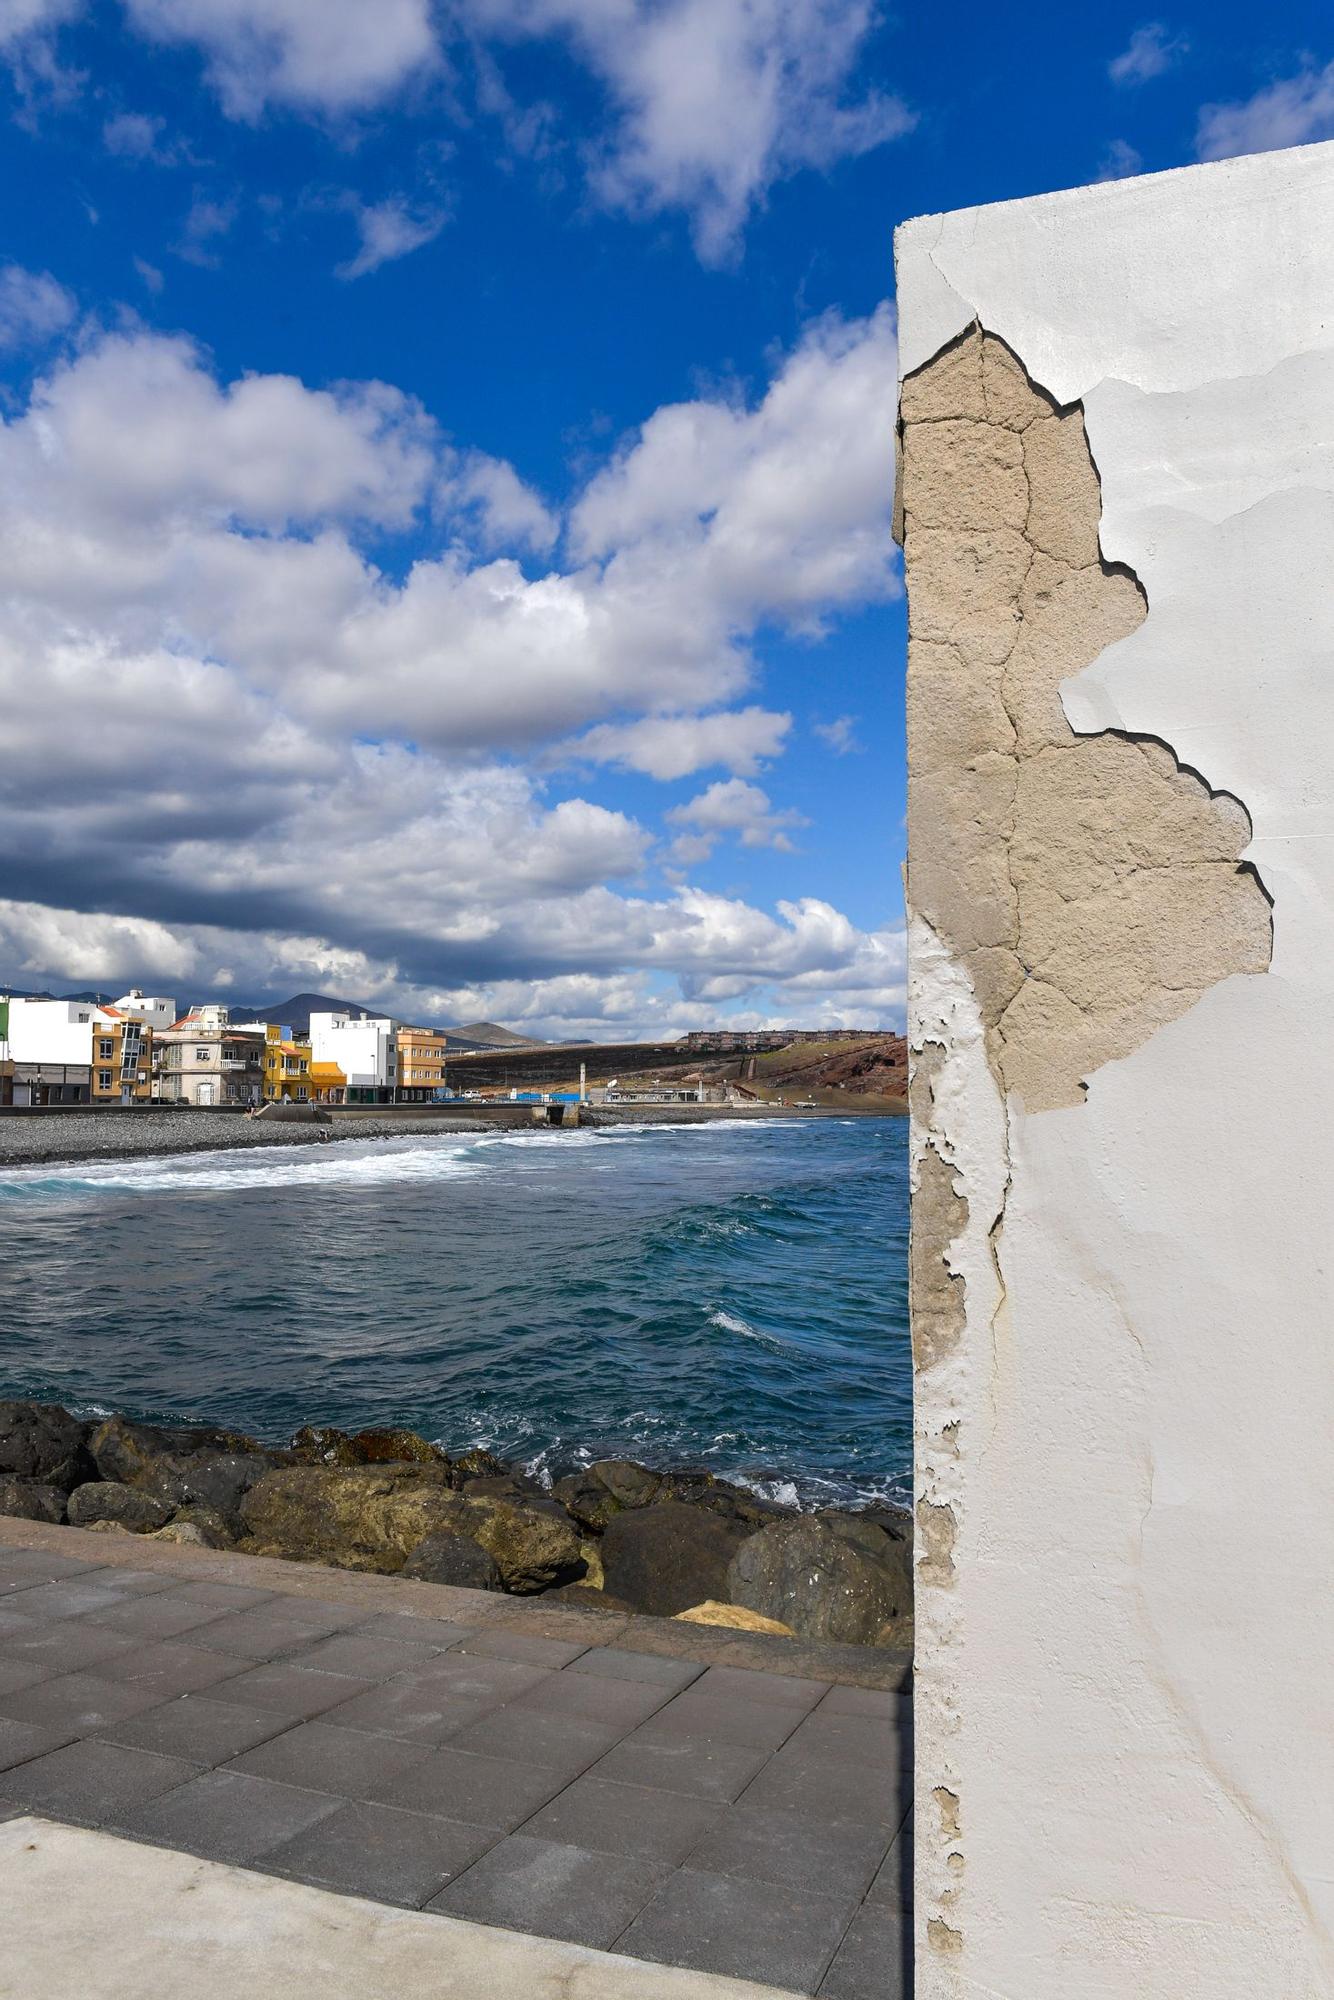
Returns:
point(1122, 1668)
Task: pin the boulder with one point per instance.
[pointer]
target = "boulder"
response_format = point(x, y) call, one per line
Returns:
point(586, 1500)
point(479, 1464)
point(125, 1506)
point(734, 1503)
point(42, 1442)
point(202, 1525)
point(533, 1541)
point(665, 1558)
point(322, 1444)
point(593, 1496)
point(449, 1558)
point(31, 1500)
point(396, 1447)
point(358, 1517)
point(182, 1467)
point(827, 1576)
point(630, 1485)
point(735, 1617)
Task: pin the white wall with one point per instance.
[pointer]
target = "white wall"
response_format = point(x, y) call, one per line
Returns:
point(142, 1007)
point(363, 1050)
point(1126, 1686)
point(52, 1031)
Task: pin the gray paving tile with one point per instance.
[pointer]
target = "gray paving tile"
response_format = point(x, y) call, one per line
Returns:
point(225, 1816)
point(92, 1782)
point(626, 1819)
point(290, 1690)
point(874, 1961)
point(381, 1852)
point(172, 1667)
point(480, 1791)
point(590, 1698)
point(437, 1633)
point(80, 1702)
point(366, 1657)
point(73, 1597)
point(867, 1701)
point(832, 1858)
point(761, 1725)
point(548, 1889)
point(468, 1678)
point(67, 1646)
point(13, 1624)
point(416, 1707)
point(266, 1631)
point(829, 1790)
point(753, 1684)
point(42, 1568)
point(203, 1729)
point(324, 1758)
point(892, 1887)
point(153, 1617)
point(223, 1596)
point(691, 1765)
point(22, 1741)
point(15, 1674)
point(615, 1663)
point(555, 1742)
point(527, 1647)
point(729, 1924)
point(855, 1739)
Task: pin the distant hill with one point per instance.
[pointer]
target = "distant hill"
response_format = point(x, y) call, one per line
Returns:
point(490, 1035)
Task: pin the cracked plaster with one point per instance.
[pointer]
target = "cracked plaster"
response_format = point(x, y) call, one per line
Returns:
point(1122, 1674)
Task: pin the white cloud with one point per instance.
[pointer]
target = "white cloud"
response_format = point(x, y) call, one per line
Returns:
point(1151, 51)
point(206, 224)
point(840, 735)
point(1291, 112)
point(502, 511)
point(34, 307)
point(133, 135)
point(731, 806)
point(388, 230)
point(322, 57)
point(33, 20)
point(673, 746)
point(714, 100)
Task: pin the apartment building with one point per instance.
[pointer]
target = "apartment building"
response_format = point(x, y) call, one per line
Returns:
point(122, 1059)
point(50, 1045)
point(286, 1067)
point(140, 1006)
point(421, 1064)
point(364, 1051)
point(205, 1059)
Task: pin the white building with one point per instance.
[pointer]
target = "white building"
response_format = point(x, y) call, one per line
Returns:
point(138, 1006)
point(51, 1046)
point(365, 1051)
point(204, 1059)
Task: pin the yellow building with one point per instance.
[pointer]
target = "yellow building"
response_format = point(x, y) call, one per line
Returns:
point(122, 1067)
point(286, 1067)
point(328, 1085)
point(421, 1064)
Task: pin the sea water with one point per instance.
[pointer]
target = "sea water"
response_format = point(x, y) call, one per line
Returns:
point(729, 1295)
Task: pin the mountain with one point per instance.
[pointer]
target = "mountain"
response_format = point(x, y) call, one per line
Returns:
point(296, 1012)
point(490, 1035)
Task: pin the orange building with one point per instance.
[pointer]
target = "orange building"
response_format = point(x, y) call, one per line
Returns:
point(122, 1066)
point(421, 1064)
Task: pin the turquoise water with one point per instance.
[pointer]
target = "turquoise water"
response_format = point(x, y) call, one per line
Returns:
point(731, 1295)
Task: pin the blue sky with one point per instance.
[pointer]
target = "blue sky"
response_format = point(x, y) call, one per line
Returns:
point(445, 475)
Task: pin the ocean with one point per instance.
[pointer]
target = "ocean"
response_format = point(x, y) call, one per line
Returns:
point(728, 1295)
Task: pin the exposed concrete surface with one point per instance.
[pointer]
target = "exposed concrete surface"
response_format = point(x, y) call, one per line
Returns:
point(110, 1919)
point(1123, 1752)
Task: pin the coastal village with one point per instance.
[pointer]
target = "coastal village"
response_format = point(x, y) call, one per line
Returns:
point(138, 1050)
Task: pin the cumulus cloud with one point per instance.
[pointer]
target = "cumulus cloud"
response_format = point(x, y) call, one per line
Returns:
point(34, 307)
point(730, 806)
point(1151, 51)
point(713, 100)
point(1290, 112)
point(674, 746)
point(322, 57)
point(387, 230)
point(290, 756)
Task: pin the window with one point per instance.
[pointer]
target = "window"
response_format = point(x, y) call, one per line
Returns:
point(202, 1055)
point(104, 1079)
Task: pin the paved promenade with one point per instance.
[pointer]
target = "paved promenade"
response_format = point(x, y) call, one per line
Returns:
point(683, 1797)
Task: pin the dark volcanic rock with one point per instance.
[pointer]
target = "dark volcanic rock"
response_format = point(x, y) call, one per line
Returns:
point(357, 1517)
point(479, 1464)
point(213, 1530)
point(181, 1466)
point(453, 1559)
point(40, 1441)
point(30, 1500)
point(533, 1541)
point(734, 1503)
point(666, 1558)
point(321, 1444)
point(127, 1506)
point(597, 1494)
point(828, 1576)
point(396, 1447)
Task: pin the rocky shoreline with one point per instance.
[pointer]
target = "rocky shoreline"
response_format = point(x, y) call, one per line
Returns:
point(66, 1136)
point(614, 1535)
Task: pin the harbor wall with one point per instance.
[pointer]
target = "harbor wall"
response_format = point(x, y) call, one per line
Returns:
point(1117, 506)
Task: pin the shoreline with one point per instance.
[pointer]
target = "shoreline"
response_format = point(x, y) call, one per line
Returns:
point(68, 1136)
